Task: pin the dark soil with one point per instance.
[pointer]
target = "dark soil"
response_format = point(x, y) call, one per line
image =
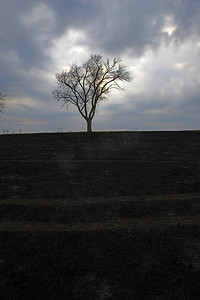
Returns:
point(113, 215)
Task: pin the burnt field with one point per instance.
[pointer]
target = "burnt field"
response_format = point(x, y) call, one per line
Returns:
point(107, 215)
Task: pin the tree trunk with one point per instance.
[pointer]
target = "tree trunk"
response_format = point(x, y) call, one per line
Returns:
point(89, 125)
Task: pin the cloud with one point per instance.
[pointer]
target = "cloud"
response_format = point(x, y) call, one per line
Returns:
point(159, 41)
point(68, 48)
point(136, 25)
point(166, 85)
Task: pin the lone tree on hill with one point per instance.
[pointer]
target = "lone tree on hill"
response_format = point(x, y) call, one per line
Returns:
point(85, 86)
point(2, 103)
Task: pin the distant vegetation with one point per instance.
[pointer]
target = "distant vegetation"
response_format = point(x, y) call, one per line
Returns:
point(2, 102)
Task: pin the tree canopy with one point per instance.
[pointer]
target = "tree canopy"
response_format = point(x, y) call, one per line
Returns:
point(86, 85)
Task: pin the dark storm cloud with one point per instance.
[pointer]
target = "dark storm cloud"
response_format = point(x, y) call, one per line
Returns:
point(16, 36)
point(27, 31)
point(188, 19)
point(137, 24)
point(113, 26)
point(24, 22)
point(73, 14)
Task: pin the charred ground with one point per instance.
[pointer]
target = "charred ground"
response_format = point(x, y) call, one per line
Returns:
point(107, 215)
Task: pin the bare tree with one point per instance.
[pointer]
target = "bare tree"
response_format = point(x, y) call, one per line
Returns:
point(85, 86)
point(2, 103)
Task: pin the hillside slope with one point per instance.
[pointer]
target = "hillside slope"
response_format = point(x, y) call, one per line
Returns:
point(113, 215)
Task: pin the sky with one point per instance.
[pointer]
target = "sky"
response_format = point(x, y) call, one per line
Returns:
point(158, 41)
